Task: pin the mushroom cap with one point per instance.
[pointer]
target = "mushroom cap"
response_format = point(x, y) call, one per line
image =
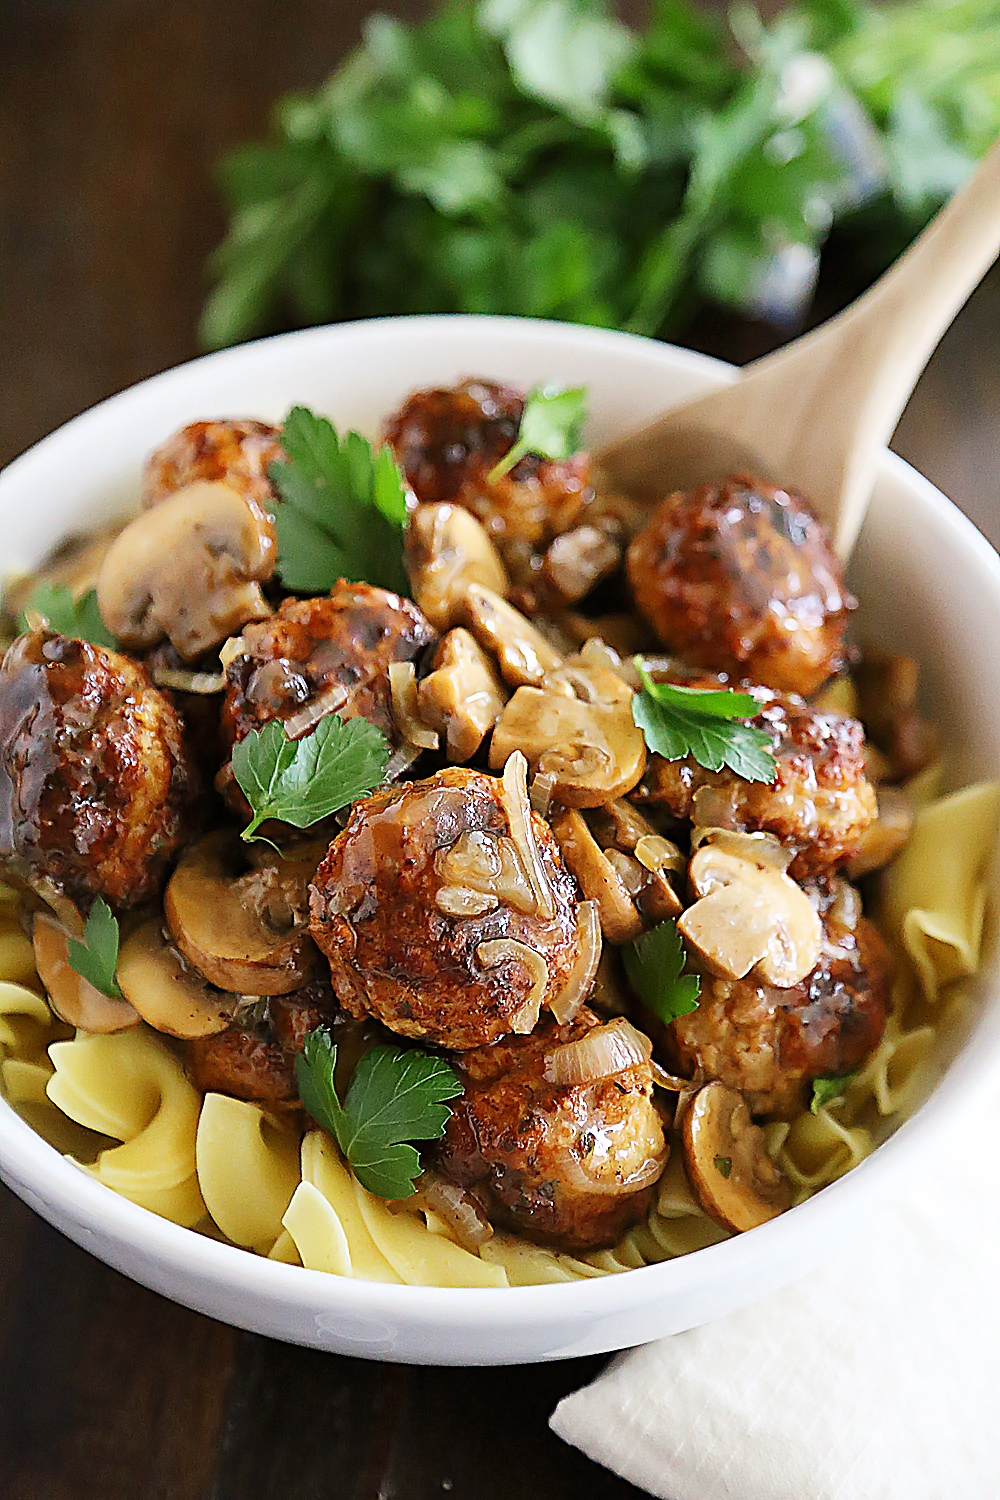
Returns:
point(522, 652)
point(243, 928)
point(750, 915)
point(577, 728)
point(71, 996)
point(447, 550)
point(165, 992)
point(730, 1172)
point(462, 697)
point(189, 569)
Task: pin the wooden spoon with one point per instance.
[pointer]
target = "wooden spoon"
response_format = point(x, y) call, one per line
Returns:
point(815, 414)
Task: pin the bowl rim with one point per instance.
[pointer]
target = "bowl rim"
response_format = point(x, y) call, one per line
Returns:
point(44, 1177)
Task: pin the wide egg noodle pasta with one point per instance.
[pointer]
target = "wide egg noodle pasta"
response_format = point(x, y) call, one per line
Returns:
point(130, 1086)
point(248, 1168)
point(934, 894)
point(324, 1170)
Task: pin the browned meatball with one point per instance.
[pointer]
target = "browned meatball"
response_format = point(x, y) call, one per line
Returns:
point(569, 1165)
point(740, 577)
point(236, 451)
point(771, 1043)
point(332, 653)
point(96, 785)
point(431, 918)
point(820, 802)
point(254, 1058)
point(446, 443)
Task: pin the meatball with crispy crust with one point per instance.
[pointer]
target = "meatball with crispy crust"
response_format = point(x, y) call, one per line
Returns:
point(567, 1164)
point(236, 451)
point(332, 653)
point(739, 577)
point(96, 785)
point(771, 1043)
point(254, 1058)
point(820, 803)
point(445, 910)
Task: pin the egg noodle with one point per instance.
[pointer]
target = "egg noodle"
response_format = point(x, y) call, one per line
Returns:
point(121, 1107)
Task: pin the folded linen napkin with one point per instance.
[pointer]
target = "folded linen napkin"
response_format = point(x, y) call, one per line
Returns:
point(874, 1378)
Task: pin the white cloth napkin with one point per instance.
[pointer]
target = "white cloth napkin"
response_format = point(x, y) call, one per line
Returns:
point(876, 1378)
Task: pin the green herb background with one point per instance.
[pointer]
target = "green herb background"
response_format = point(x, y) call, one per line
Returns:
point(539, 157)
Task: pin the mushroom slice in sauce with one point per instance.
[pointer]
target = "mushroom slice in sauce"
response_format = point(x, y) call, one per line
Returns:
point(72, 998)
point(524, 655)
point(750, 915)
point(190, 570)
point(244, 929)
point(462, 697)
point(447, 550)
point(577, 728)
point(730, 1172)
point(166, 992)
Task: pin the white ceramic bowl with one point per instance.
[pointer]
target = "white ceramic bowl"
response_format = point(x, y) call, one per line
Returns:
point(929, 584)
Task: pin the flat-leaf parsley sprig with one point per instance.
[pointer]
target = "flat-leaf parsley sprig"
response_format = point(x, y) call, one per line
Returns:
point(301, 781)
point(395, 1097)
point(342, 508)
point(80, 619)
point(706, 724)
point(96, 958)
point(654, 964)
point(551, 426)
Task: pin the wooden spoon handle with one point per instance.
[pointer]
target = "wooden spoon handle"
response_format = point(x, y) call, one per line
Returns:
point(837, 393)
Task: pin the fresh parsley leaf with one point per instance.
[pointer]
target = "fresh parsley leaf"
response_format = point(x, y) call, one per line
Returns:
point(395, 1096)
point(828, 1088)
point(80, 619)
point(653, 964)
point(703, 723)
point(551, 426)
point(96, 958)
point(301, 781)
point(342, 511)
point(723, 1165)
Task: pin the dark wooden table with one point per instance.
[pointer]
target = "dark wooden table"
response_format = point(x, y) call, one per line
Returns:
point(110, 112)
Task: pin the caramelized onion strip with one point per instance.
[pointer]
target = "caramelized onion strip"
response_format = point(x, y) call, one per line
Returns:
point(577, 987)
point(600, 1054)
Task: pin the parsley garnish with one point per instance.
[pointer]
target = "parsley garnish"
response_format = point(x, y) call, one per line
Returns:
point(342, 511)
point(703, 723)
point(80, 619)
point(551, 425)
point(96, 958)
point(653, 964)
point(723, 1165)
point(396, 1096)
point(302, 781)
point(827, 1089)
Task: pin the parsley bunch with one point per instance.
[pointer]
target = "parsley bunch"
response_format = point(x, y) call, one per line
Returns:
point(539, 157)
point(705, 724)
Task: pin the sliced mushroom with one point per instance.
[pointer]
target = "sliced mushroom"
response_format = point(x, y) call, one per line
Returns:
point(524, 655)
point(578, 729)
point(189, 569)
point(576, 561)
point(244, 930)
point(884, 838)
point(72, 998)
point(728, 1167)
point(597, 878)
point(750, 915)
point(644, 857)
point(165, 991)
point(463, 697)
point(447, 550)
point(74, 563)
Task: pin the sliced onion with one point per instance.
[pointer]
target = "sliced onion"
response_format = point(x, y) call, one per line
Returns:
point(568, 1169)
point(759, 848)
point(307, 718)
point(540, 793)
point(189, 682)
point(600, 1054)
point(515, 800)
point(462, 901)
point(231, 649)
point(499, 951)
point(403, 685)
point(577, 987)
point(455, 1206)
point(400, 761)
point(656, 853)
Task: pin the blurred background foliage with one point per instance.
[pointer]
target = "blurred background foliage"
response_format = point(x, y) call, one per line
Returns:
point(540, 157)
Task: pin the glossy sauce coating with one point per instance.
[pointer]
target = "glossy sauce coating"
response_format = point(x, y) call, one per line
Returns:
point(254, 1058)
point(529, 1149)
point(388, 903)
point(771, 1043)
point(235, 451)
point(820, 802)
point(740, 578)
point(96, 784)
